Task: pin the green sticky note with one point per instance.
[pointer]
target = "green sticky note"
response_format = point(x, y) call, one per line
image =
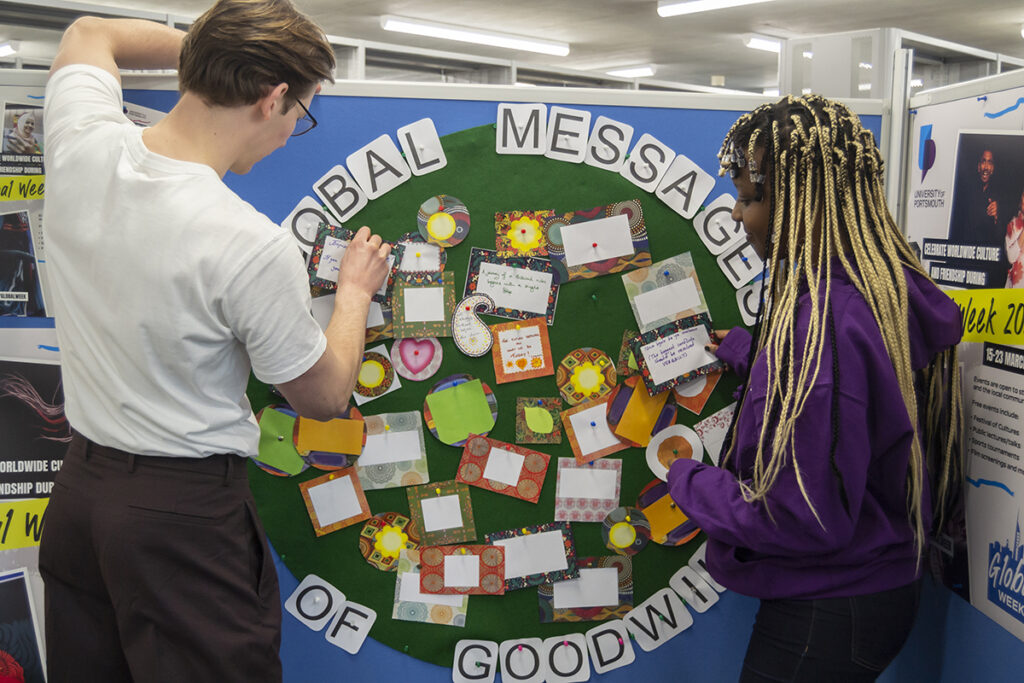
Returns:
point(632, 362)
point(539, 420)
point(276, 447)
point(460, 411)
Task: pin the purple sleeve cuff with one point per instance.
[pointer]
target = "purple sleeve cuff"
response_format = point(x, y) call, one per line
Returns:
point(735, 349)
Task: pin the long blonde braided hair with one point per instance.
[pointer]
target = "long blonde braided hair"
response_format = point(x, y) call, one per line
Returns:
point(827, 206)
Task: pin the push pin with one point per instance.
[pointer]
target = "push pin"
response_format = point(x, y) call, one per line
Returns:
point(467, 308)
point(329, 477)
point(627, 518)
point(594, 297)
point(463, 551)
point(744, 259)
point(593, 424)
point(280, 438)
point(665, 273)
point(620, 641)
point(594, 245)
point(387, 428)
point(672, 506)
point(437, 491)
point(519, 648)
point(417, 254)
point(565, 643)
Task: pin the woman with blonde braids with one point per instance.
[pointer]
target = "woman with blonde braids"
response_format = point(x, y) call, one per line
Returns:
point(846, 428)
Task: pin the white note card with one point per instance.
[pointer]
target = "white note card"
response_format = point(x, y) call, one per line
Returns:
point(334, 501)
point(596, 436)
point(424, 304)
point(504, 466)
point(330, 258)
point(677, 354)
point(587, 482)
point(519, 289)
point(610, 235)
point(461, 571)
point(409, 591)
point(595, 588)
point(420, 257)
point(534, 554)
point(665, 302)
point(391, 446)
point(442, 512)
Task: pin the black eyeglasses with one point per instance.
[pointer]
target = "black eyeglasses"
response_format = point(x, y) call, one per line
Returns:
point(305, 123)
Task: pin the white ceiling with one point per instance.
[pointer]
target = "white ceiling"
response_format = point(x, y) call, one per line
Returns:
point(605, 34)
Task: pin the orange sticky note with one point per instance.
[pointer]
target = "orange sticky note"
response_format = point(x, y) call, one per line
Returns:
point(334, 436)
point(640, 414)
point(664, 517)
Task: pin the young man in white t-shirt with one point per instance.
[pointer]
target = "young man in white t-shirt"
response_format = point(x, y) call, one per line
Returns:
point(168, 289)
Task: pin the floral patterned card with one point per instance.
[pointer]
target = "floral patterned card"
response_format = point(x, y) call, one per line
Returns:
point(615, 241)
point(503, 468)
point(626, 364)
point(587, 493)
point(537, 554)
point(521, 350)
point(462, 570)
point(521, 233)
point(443, 512)
point(412, 605)
point(591, 438)
point(335, 501)
point(675, 353)
point(666, 291)
point(713, 430)
point(325, 259)
point(603, 591)
point(423, 304)
point(522, 287)
point(394, 453)
point(537, 420)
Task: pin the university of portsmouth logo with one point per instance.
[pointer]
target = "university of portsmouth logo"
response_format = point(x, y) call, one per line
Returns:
point(1006, 575)
point(925, 151)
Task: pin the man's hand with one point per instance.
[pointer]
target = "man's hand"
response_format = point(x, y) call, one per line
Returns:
point(993, 208)
point(364, 266)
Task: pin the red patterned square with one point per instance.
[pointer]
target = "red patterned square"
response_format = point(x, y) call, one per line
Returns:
point(503, 468)
point(488, 567)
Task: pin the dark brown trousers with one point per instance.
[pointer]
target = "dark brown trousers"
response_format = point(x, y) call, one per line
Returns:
point(157, 569)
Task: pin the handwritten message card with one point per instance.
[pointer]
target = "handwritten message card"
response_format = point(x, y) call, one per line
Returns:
point(675, 353)
point(521, 287)
point(521, 351)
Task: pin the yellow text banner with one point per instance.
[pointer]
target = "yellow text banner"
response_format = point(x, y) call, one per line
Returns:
point(21, 522)
point(991, 315)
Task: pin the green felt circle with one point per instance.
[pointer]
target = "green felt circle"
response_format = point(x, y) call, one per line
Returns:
point(589, 313)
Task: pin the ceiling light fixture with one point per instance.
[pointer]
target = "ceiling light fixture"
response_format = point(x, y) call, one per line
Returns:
point(674, 7)
point(471, 35)
point(808, 54)
point(916, 83)
point(632, 72)
point(765, 43)
point(8, 48)
point(770, 92)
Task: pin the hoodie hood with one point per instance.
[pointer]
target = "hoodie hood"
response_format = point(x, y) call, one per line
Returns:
point(933, 322)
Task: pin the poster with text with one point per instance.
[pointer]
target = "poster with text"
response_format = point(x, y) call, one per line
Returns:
point(35, 431)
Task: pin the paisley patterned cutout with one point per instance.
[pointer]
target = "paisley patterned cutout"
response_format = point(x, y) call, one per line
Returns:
point(471, 335)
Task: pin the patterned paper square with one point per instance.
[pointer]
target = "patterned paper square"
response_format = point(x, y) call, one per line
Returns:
point(521, 350)
point(626, 365)
point(640, 257)
point(591, 438)
point(434, 511)
point(438, 578)
point(382, 471)
point(522, 287)
point(606, 473)
point(664, 292)
point(548, 547)
point(694, 395)
point(659, 344)
point(521, 233)
point(571, 609)
point(503, 468)
point(406, 320)
point(532, 426)
point(335, 501)
point(412, 605)
point(326, 255)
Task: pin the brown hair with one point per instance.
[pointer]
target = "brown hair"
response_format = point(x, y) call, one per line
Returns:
point(240, 49)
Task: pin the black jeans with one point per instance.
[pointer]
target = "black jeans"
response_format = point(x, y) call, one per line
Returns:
point(832, 639)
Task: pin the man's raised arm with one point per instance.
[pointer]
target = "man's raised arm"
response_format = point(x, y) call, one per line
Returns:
point(113, 44)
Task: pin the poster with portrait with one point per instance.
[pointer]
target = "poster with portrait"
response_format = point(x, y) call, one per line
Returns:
point(22, 152)
point(21, 292)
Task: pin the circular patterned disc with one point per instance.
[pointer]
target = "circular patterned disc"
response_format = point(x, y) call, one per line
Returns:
point(443, 220)
point(585, 374)
point(270, 469)
point(684, 531)
point(376, 375)
point(452, 381)
point(675, 441)
point(372, 530)
point(416, 359)
point(625, 531)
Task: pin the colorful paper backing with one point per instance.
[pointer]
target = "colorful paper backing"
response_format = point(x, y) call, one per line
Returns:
point(623, 366)
point(394, 474)
point(320, 287)
point(491, 563)
point(463, 534)
point(340, 524)
point(634, 518)
point(481, 429)
point(455, 208)
point(638, 231)
point(623, 565)
point(474, 462)
point(478, 256)
point(470, 334)
point(417, 359)
point(571, 433)
point(524, 434)
point(671, 270)
point(695, 404)
point(521, 233)
point(636, 343)
point(571, 571)
point(435, 328)
point(523, 367)
point(424, 612)
point(576, 367)
point(368, 534)
point(669, 525)
point(575, 509)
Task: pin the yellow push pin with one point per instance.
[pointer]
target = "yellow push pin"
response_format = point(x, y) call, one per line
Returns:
point(387, 428)
point(463, 551)
point(437, 491)
point(627, 518)
point(417, 254)
point(330, 476)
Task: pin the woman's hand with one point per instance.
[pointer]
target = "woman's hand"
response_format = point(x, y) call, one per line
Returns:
point(717, 337)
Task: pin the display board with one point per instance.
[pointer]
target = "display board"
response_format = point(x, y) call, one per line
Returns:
point(965, 212)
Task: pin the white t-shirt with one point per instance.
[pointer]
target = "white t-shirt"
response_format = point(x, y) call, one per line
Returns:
point(167, 287)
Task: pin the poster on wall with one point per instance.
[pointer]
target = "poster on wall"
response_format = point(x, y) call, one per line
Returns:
point(965, 214)
point(23, 140)
point(21, 290)
point(35, 431)
point(20, 635)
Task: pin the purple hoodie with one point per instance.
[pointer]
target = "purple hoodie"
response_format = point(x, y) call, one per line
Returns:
point(789, 554)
